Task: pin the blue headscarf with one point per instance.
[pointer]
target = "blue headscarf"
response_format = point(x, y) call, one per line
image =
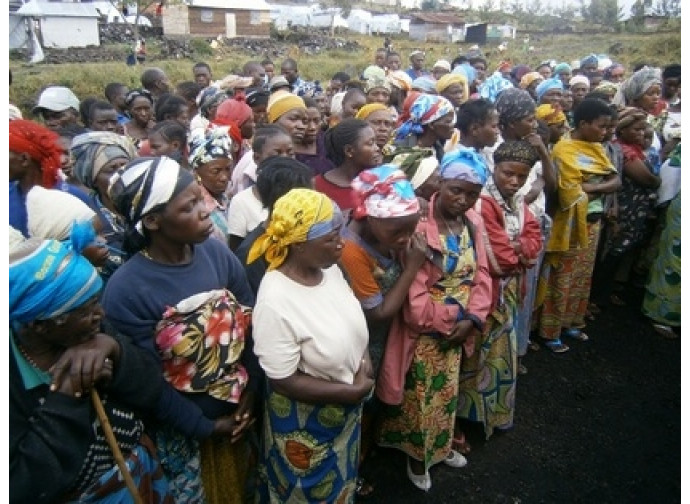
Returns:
point(49, 278)
point(592, 59)
point(561, 68)
point(425, 110)
point(552, 83)
point(464, 164)
point(468, 70)
point(492, 87)
point(425, 84)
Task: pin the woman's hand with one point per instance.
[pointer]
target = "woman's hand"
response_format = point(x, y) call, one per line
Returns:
point(244, 416)
point(415, 255)
point(82, 366)
point(364, 379)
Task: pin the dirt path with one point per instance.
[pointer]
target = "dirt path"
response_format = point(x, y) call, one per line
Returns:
point(599, 424)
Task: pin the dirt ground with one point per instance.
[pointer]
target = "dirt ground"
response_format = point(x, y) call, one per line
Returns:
point(599, 424)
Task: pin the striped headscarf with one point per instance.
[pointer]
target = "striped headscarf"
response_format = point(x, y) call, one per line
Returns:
point(145, 185)
point(425, 110)
point(464, 164)
point(384, 192)
point(550, 114)
point(299, 215)
point(49, 278)
point(93, 150)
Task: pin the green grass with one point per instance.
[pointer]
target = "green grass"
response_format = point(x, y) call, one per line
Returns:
point(90, 79)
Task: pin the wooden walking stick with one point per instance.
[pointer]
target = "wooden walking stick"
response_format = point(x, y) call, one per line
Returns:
point(112, 442)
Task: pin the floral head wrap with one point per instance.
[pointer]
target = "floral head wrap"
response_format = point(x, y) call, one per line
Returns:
point(49, 278)
point(464, 164)
point(213, 144)
point(299, 215)
point(384, 192)
point(492, 87)
point(376, 81)
point(41, 144)
point(550, 114)
point(425, 110)
point(93, 150)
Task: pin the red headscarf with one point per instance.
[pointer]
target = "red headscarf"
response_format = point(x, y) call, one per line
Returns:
point(41, 144)
point(234, 110)
point(407, 105)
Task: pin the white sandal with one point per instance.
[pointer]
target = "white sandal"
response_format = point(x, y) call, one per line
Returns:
point(455, 459)
point(421, 481)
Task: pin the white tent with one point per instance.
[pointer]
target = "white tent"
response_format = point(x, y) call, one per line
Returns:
point(385, 23)
point(64, 25)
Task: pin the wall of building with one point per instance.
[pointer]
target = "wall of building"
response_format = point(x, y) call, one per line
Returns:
point(64, 32)
point(175, 20)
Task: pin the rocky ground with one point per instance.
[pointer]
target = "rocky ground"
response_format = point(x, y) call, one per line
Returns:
point(599, 424)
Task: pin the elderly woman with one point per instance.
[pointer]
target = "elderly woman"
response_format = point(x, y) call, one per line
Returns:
point(513, 241)
point(549, 91)
point(58, 448)
point(446, 307)
point(585, 174)
point(431, 123)
point(183, 297)
point(97, 156)
point(208, 101)
point(529, 83)
point(455, 88)
point(311, 340)
point(377, 90)
point(401, 84)
point(381, 120)
point(210, 158)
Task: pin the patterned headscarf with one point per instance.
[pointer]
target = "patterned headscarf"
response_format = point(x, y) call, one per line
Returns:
point(400, 79)
point(449, 79)
point(418, 164)
point(628, 116)
point(208, 98)
point(492, 87)
point(514, 104)
point(529, 78)
point(146, 184)
point(425, 110)
point(384, 192)
point(213, 144)
point(607, 87)
point(93, 150)
point(369, 109)
point(464, 164)
point(49, 278)
point(424, 83)
point(638, 84)
point(39, 143)
point(299, 215)
point(376, 82)
point(520, 151)
point(407, 105)
point(548, 84)
point(550, 114)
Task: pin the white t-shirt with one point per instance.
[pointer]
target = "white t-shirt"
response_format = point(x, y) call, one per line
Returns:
point(245, 213)
point(318, 330)
point(244, 174)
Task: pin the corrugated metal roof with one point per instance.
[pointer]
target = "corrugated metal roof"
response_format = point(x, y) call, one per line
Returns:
point(437, 18)
point(57, 9)
point(232, 4)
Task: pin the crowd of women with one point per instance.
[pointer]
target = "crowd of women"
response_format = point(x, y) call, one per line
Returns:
point(231, 291)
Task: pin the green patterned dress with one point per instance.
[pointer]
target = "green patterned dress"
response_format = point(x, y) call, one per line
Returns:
point(422, 425)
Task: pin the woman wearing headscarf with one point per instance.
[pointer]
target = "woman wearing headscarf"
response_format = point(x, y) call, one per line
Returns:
point(614, 73)
point(564, 72)
point(210, 158)
point(446, 307)
point(493, 86)
point(58, 449)
point(636, 204)
point(549, 91)
point(555, 119)
point(455, 88)
point(422, 170)
point(183, 297)
point(529, 83)
point(642, 90)
point(97, 156)
point(381, 120)
point(377, 90)
point(579, 86)
point(34, 159)
point(585, 173)
point(516, 116)
point(208, 102)
point(401, 84)
point(431, 124)
point(517, 72)
point(241, 114)
point(512, 241)
point(311, 340)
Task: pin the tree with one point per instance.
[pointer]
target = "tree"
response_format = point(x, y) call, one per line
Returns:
point(535, 8)
point(429, 5)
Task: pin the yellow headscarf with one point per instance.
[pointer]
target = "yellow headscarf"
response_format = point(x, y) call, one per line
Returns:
point(282, 102)
point(549, 114)
point(369, 109)
point(450, 79)
point(298, 216)
point(529, 78)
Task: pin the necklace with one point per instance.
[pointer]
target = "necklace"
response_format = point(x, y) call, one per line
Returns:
point(448, 226)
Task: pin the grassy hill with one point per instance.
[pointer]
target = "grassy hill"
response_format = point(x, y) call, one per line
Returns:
point(89, 79)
